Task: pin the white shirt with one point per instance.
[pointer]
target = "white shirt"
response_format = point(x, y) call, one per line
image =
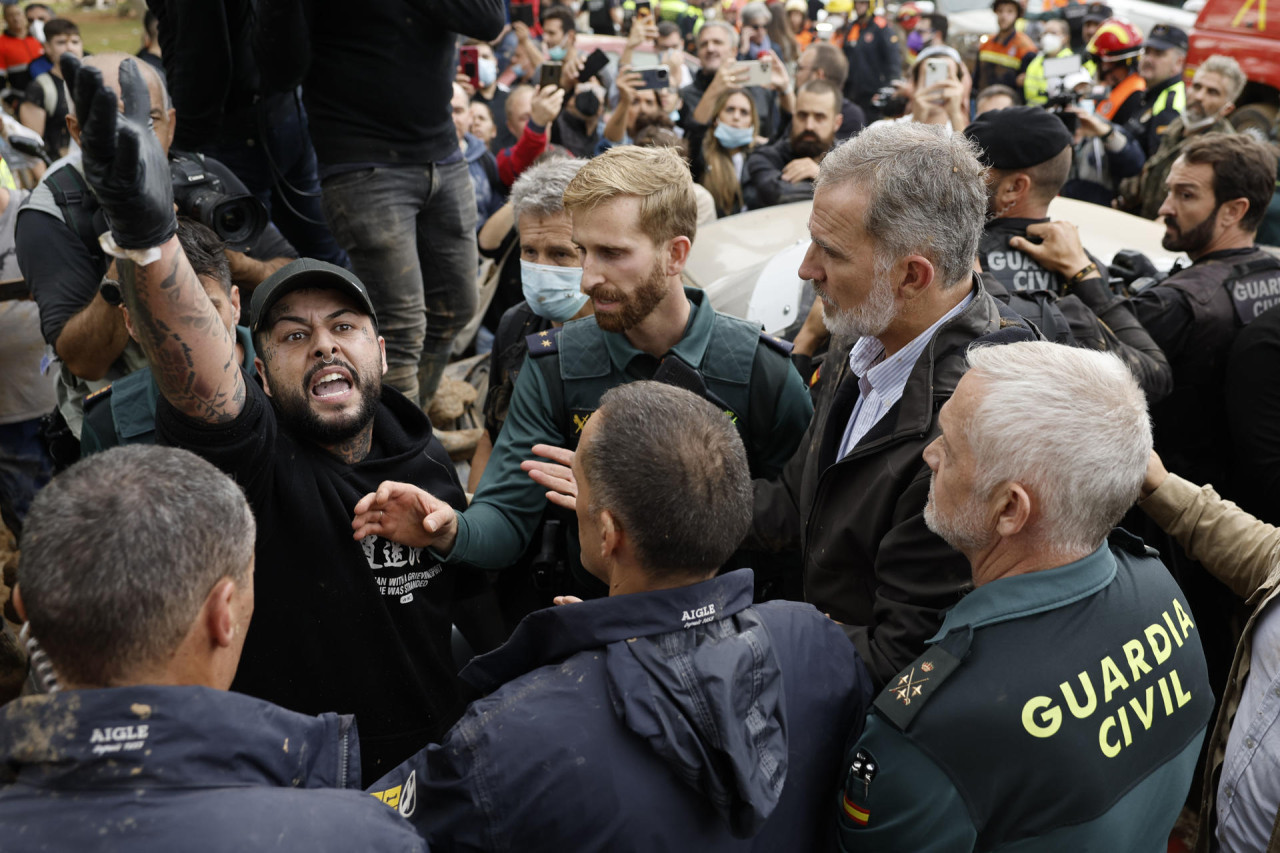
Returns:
point(881, 382)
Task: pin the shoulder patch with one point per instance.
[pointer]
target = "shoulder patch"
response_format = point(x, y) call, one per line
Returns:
point(100, 394)
point(776, 344)
point(543, 342)
point(907, 692)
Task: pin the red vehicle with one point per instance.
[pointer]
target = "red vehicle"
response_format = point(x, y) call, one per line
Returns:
point(1242, 29)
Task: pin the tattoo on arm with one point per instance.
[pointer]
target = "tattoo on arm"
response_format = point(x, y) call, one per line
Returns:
point(192, 355)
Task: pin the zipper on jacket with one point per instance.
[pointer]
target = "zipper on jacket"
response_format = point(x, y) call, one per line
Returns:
point(344, 755)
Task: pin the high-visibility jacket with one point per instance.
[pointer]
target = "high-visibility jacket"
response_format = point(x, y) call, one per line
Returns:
point(1000, 61)
point(1035, 86)
point(1109, 106)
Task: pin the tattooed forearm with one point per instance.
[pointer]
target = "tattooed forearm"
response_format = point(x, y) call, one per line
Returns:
point(192, 353)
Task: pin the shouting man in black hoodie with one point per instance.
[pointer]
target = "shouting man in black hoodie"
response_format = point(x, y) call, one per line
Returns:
point(342, 625)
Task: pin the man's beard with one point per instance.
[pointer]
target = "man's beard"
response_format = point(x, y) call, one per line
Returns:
point(808, 144)
point(966, 530)
point(633, 309)
point(869, 319)
point(296, 415)
point(1191, 241)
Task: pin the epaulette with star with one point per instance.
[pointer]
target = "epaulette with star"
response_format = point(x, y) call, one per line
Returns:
point(543, 343)
point(775, 343)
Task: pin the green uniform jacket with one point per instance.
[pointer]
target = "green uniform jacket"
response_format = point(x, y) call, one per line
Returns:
point(124, 412)
point(1060, 710)
point(508, 505)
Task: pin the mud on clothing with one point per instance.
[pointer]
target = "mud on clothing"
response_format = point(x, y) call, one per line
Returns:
point(151, 768)
point(340, 625)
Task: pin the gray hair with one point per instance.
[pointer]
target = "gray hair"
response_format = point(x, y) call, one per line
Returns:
point(540, 190)
point(722, 25)
point(1069, 424)
point(754, 11)
point(671, 468)
point(1229, 69)
point(119, 553)
point(926, 189)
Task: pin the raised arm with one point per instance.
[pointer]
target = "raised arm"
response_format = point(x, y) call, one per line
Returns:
point(192, 354)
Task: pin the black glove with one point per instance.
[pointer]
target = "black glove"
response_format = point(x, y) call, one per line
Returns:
point(124, 164)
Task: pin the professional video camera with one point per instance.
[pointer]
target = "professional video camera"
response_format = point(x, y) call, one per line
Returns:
point(237, 218)
point(1068, 85)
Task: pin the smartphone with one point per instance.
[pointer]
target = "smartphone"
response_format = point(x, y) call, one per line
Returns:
point(936, 70)
point(644, 9)
point(549, 74)
point(523, 12)
point(758, 73)
point(595, 63)
point(469, 64)
point(658, 77)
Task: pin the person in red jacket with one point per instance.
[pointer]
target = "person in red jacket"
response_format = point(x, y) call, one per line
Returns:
point(530, 112)
point(18, 48)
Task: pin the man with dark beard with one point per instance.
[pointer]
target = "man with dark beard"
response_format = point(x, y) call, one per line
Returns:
point(634, 217)
point(341, 625)
point(784, 171)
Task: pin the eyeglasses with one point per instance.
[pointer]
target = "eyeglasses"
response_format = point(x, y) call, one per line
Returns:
point(755, 26)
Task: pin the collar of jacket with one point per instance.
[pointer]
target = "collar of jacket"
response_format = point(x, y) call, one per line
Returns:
point(555, 633)
point(1015, 597)
point(173, 737)
point(935, 375)
point(691, 348)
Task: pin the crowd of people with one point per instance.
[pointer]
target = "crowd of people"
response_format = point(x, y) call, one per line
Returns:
point(978, 555)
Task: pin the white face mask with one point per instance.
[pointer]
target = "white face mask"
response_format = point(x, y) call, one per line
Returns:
point(1051, 43)
point(552, 292)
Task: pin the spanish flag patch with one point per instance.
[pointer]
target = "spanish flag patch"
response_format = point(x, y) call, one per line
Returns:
point(856, 813)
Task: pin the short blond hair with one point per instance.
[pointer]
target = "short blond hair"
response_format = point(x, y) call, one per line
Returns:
point(658, 177)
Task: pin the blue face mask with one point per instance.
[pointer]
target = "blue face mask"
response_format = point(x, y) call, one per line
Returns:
point(487, 71)
point(554, 293)
point(734, 137)
point(557, 54)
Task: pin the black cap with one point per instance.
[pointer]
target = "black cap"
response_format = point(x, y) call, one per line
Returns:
point(1018, 137)
point(1163, 37)
point(306, 273)
point(1098, 12)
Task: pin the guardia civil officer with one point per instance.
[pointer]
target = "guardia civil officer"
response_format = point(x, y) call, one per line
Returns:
point(1029, 151)
point(1062, 704)
point(634, 218)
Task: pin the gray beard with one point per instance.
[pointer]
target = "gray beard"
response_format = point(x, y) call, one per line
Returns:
point(869, 319)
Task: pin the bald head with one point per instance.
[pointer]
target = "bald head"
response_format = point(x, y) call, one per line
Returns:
point(162, 112)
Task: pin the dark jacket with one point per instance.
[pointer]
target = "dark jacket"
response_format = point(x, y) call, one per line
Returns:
point(483, 168)
point(376, 82)
point(183, 768)
point(1253, 414)
point(680, 719)
point(762, 183)
point(868, 559)
point(871, 47)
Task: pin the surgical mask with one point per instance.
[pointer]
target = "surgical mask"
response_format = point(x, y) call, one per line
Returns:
point(487, 70)
point(557, 54)
point(554, 293)
point(36, 28)
point(1051, 43)
point(1190, 125)
point(734, 137)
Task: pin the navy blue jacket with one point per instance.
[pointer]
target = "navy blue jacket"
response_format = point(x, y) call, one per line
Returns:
point(184, 768)
point(681, 719)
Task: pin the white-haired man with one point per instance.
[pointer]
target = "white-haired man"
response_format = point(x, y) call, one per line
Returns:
point(1063, 702)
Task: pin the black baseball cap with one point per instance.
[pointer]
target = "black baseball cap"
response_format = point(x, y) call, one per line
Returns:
point(1098, 12)
point(1163, 37)
point(306, 273)
point(1018, 137)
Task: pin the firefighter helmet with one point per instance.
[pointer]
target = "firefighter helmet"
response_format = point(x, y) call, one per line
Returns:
point(1116, 40)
